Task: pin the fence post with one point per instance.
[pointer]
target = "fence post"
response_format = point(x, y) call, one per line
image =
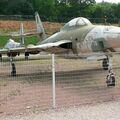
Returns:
point(53, 81)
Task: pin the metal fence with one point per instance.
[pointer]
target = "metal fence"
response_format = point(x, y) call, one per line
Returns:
point(59, 19)
point(48, 81)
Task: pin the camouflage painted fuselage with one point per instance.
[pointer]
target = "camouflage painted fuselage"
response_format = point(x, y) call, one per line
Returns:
point(89, 38)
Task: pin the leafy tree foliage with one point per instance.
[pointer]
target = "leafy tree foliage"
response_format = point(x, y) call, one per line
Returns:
point(61, 9)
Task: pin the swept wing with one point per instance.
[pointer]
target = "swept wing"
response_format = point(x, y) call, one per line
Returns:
point(51, 47)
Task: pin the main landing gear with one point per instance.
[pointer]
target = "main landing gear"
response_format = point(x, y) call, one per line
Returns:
point(13, 72)
point(13, 67)
point(26, 55)
point(105, 64)
point(110, 78)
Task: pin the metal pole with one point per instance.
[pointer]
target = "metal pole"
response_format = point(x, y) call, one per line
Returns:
point(53, 81)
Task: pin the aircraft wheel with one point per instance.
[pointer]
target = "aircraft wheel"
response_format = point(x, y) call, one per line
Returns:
point(110, 80)
point(105, 64)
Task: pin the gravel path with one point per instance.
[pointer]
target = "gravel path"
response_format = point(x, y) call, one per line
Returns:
point(104, 111)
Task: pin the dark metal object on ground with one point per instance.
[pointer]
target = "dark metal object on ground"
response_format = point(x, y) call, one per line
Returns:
point(13, 72)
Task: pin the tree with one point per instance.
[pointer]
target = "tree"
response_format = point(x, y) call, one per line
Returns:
point(3, 6)
point(105, 9)
point(117, 10)
point(74, 8)
point(18, 7)
point(44, 7)
point(61, 9)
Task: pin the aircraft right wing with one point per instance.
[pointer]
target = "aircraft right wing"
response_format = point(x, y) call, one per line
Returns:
point(57, 47)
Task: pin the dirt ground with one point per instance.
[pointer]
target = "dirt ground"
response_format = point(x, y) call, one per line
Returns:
point(12, 26)
point(101, 111)
point(77, 83)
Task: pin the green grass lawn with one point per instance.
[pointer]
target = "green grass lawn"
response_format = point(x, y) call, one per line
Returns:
point(3, 40)
point(28, 40)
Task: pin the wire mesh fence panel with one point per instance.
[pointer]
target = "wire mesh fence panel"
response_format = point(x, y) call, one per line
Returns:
point(30, 89)
point(78, 82)
point(81, 82)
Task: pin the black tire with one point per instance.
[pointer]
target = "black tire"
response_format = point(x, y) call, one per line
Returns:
point(112, 81)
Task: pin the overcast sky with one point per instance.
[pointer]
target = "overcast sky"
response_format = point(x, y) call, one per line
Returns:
point(113, 1)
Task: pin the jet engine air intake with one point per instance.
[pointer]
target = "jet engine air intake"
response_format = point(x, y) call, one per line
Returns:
point(66, 45)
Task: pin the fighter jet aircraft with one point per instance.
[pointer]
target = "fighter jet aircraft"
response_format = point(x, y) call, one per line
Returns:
point(80, 37)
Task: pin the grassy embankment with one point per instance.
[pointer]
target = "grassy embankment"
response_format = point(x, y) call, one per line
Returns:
point(28, 40)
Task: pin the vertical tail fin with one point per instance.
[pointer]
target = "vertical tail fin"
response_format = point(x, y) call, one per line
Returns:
point(39, 25)
point(22, 39)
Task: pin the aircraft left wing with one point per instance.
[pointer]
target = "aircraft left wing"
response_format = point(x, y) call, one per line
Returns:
point(56, 47)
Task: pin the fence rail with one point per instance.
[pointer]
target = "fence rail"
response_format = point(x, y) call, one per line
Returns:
point(57, 19)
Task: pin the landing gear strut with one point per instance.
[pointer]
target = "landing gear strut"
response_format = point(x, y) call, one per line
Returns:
point(13, 72)
point(105, 64)
point(110, 79)
point(13, 67)
point(0, 57)
point(26, 55)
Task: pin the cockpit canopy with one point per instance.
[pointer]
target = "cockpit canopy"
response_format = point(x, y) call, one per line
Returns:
point(76, 22)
